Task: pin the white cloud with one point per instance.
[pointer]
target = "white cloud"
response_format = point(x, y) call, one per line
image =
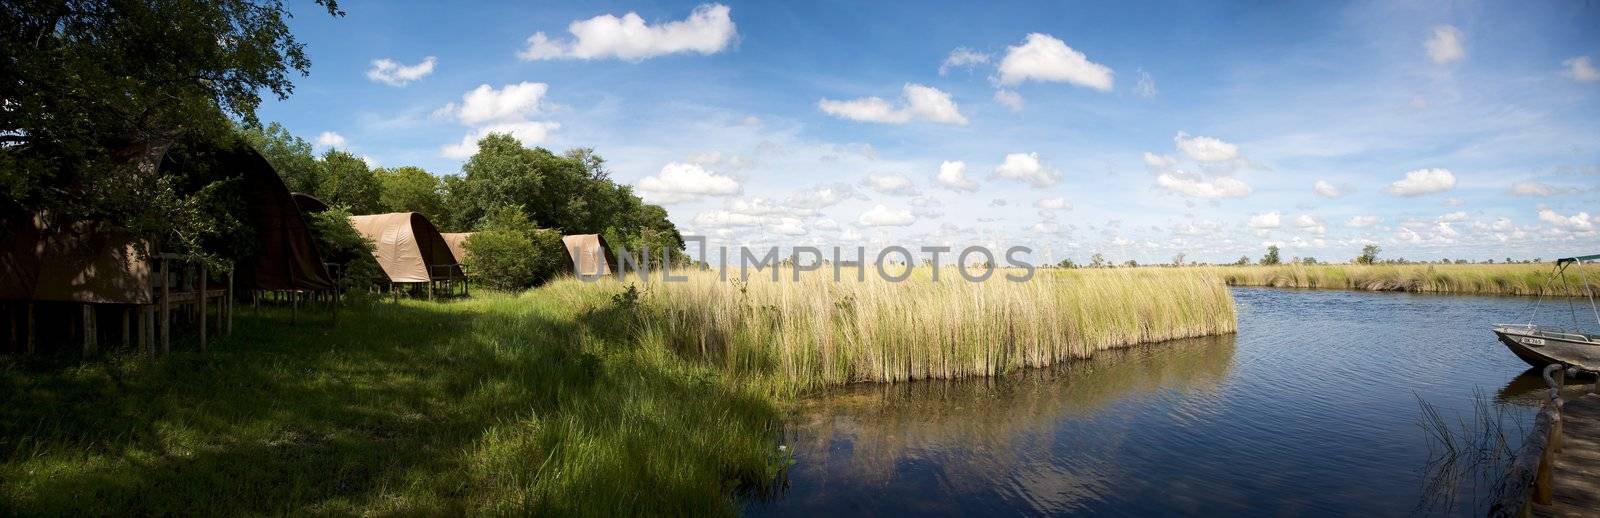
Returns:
point(1042, 57)
point(918, 103)
point(329, 139)
point(372, 163)
point(726, 219)
point(823, 196)
point(1532, 189)
point(1159, 161)
point(891, 184)
point(788, 227)
point(708, 30)
point(881, 216)
point(1028, 168)
point(1423, 181)
point(1206, 149)
point(1267, 220)
point(392, 73)
point(962, 57)
point(1146, 87)
point(1056, 203)
point(1445, 45)
point(1327, 190)
point(1580, 69)
point(1309, 224)
point(1579, 222)
point(1009, 99)
point(1200, 186)
point(1454, 216)
point(678, 182)
point(485, 104)
point(1452, 202)
point(953, 175)
point(826, 224)
point(1362, 221)
point(528, 133)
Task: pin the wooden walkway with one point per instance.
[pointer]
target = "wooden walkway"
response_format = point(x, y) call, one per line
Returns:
point(1576, 471)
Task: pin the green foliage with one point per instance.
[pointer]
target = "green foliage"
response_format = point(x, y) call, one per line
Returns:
point(1272, 256)
point(1244, 260)
point(1369, 255)
point(411, 189)
point(508, 252)
point(96, 91)
point(348, 253)
point(291, 156)
point(345, 180)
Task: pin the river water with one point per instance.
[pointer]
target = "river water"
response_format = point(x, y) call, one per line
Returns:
point(1313, 408)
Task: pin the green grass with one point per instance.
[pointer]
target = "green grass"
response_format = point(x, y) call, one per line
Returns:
point(496, 405)
point(1488, 279)
point(572, 399)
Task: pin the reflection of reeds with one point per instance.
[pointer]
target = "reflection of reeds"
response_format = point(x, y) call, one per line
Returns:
point(813, 332)
point(1492, 279)
point(1469, 458)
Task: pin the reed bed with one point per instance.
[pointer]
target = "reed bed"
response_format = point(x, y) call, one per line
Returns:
point(811, 332)
point(1488, 279)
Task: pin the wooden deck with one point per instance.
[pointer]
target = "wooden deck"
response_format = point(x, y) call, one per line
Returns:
point(1575, 474)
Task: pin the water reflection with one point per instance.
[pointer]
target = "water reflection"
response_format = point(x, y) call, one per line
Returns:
point(969, 446)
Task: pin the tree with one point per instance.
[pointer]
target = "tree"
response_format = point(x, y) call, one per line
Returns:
point(1369, 254)
point(1177, 260)
point(508, 252)
point(345, 180)
point(96, 92)
point(343, 247)
point(1244, 260)
point(1309, 260)
point(1096, 260)
point(1272, 256)
point(291, 156)
point(410, 189)
point(1066, 263)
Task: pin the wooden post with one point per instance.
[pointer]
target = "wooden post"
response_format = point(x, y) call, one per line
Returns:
point(430, 290)
point(294, 307)
point(88, 330)
point(144, 329)
point(394, 294)
point(229, 302)
point(30, 328)
point(125, 335)
point(166, 309)
point(11, 314)
point(201, 317)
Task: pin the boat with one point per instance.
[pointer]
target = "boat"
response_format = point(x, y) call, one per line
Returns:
point(1541, 345)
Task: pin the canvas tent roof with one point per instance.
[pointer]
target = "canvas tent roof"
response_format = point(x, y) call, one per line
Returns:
point(589, 253)
point(458, 244)
point(309, 203)
point(89, 262)
point(408, 247)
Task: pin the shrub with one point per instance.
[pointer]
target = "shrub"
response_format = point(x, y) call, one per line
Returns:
point(348, 253)
point(508, 252)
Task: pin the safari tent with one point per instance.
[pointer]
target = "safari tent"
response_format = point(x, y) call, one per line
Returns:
point(590, 254)
point(408, 247)
point(458, 244)
point(308, 203)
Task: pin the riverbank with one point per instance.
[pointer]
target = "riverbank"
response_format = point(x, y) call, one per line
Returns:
point(1479, 279)
point(570, 399)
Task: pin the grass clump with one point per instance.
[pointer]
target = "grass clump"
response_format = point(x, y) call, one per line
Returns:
point(1487, 279)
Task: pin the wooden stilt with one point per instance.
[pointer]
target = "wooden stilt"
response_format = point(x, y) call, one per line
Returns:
point(125, 319)
point(229, 301)
point(144, 329)
point(294, 307)
point(11, 313)
point(30, 329)
point(88, 330)
point(200, 316)
point(166, 309)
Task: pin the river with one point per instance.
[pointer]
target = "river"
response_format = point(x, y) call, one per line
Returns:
point(1312, 408)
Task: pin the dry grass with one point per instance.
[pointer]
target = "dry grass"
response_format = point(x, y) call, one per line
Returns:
point(1492, 279)
point(794, 335)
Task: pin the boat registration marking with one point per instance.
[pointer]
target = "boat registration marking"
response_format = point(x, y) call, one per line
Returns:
point(1533, 341)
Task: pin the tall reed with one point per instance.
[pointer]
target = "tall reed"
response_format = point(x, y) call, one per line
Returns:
point(811, 332)
point(1492, 279)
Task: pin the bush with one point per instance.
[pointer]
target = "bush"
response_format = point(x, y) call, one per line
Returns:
point(348, 253)
point(508, 252)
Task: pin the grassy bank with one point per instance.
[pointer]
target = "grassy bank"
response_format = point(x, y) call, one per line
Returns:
point(576, 398)
point(797, 335)
point(1488, 279)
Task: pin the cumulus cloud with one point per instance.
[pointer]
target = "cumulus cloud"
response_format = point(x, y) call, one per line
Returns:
point(1028, 168)
point(1009, 99)
point(891, 184)
point(1445, 45)
point(1205, 149)
point(1042, 57)
point(708, 30)
point(679, 182)
point(331, 140)
point(1362, 221)
point(881, 216)
point(1532, 189)
point(392, 73)
point(953, 176)
point(918, 102)
point(962, 57)
point(1159, 161)
point(720, 218)
point(1423, 181)
point(1580, 69)
point(1310, 224)
point(529, 133)
point(1266, 220)
point(1581, 221)
point(1056, 203)
point(1200, 186)
point(506, 110)
point(1327, 190)
point(823, 196)
point(788, 227)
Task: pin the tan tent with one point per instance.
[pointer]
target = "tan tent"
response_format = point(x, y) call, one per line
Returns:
point(308, 203)
point(458, 244)
point(408, 247)
point(590, 254)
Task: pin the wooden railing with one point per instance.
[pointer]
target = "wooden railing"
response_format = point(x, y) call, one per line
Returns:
point(1530, 481)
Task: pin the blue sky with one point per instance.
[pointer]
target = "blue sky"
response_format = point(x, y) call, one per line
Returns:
point(1140, 132)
